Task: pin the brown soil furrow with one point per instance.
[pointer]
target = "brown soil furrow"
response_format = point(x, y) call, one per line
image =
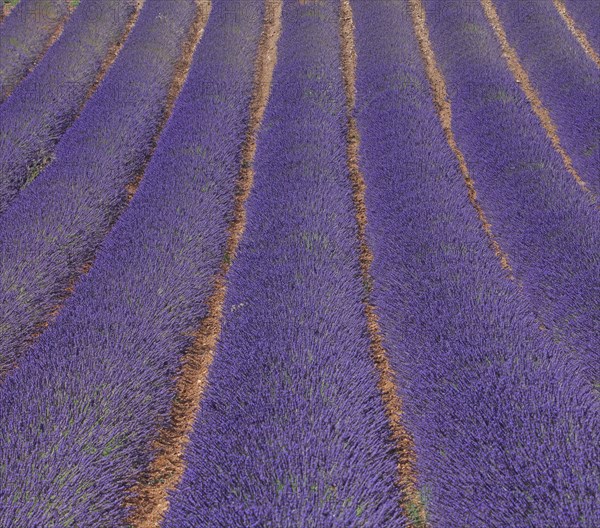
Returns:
point(522, 78)
point(51, 40)
point(7, 9)
point(577, 33)
point(181, 71)
point(406, 479)
point(56, 34)
point(150, 496)
point(113, 52)
point(110, 58)
point(444, 110)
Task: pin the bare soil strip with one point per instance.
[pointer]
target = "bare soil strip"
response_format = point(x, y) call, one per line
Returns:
point(110, 58)
point(522, 78)
point(56, 34)
point(444, 110)
point(114, 51)
point(150, 501)
point(406, 479)
point(181, 71)
point(577, 33)
point(51, 40)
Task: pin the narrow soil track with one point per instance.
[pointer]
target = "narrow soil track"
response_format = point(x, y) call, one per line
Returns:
point(51, 40)
point(55, 35)
point(522, 79)
point(444, 110)
point(5, 11)
point(150, 501)
point(577, 33)
point(410, 500)
point(181, 71)
point(110, 58)
point(113, 52)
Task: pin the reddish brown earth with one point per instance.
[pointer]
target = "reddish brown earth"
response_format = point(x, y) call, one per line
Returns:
point(150, 501)
point(522, 78)
point(406, 479)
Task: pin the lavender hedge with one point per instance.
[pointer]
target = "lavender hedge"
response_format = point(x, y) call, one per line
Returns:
point(564, 76)
point(586, 14)
point(505, 433)
point(87, 401)
point(23, 37)
point(57, 223)
point(547, 225)
point(48, 101)
point(292, 430)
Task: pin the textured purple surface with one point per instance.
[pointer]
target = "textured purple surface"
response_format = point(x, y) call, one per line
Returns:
point(57, 223)
point(86, 402)
point(547, 225)
point(292, 430)
point(586, 14)
point(23, 37)
point(505, 433)
point(36, 115)
point(567, 81)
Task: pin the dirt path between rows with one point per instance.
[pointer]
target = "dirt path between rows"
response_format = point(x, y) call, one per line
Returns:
point(444, 110)
point(113, 52)
point(181, 71)
point(522, 79)
point(51, 40)
point(406, 479)
point(577, 33)
point(165, 472)
point(40, 164)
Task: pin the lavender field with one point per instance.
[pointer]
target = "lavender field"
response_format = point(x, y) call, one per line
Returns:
point(300, 263)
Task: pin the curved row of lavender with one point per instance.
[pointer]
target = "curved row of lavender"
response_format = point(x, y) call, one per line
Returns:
point(566, 79)
point(292, 430)
point(547, 225)
point(505, 433)
point(586, 14)
point(23, 37)
point(39, 111)
point(85, 404)
point(57, 223)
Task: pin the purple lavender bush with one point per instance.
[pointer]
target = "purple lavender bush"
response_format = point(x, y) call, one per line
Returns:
point(586, 14)
point(567, 81)
point(292, 430)
point(86, 403)
point(39, 111)
point(56, 224)
point(505, 431)
point(547, 225)
point(23, 37)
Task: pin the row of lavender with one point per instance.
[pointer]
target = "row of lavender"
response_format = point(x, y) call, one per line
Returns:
point(549, 228)
point(55, 225)
point(474, 371)
point(24, 37)
point(89, 399)
point(568, 81)
point(45, 104)
point(504, 431)
point(291, 429)
point(586, 14)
